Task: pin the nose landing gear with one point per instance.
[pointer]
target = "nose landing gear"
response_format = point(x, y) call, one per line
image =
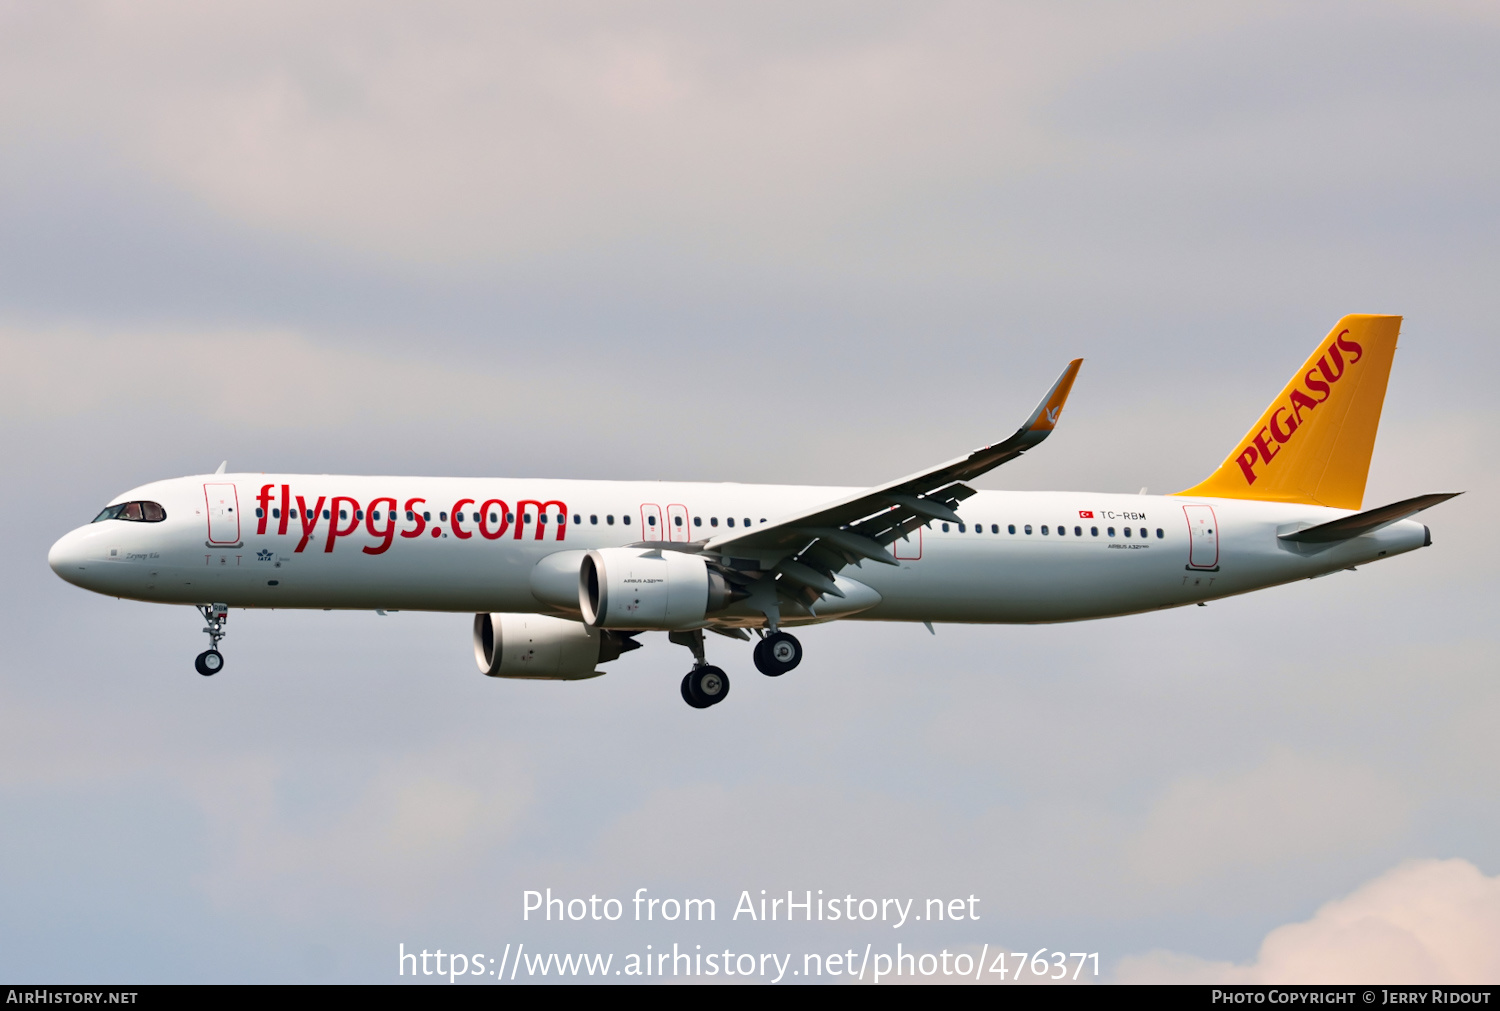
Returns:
point(211, 661)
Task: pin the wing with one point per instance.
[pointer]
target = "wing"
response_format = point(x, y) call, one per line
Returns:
point(803, 551)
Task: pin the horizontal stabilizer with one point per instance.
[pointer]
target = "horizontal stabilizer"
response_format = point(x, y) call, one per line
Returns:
point(1344, 528)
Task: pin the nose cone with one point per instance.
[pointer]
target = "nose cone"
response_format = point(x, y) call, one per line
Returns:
point(67, 557)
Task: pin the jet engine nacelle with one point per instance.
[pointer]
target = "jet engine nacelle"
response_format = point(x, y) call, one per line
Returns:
point(541, 647)
point(648, 588)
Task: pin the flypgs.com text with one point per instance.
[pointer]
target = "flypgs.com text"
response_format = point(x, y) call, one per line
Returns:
point(342, 515)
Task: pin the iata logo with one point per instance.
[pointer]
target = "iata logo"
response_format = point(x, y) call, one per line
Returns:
point(1286, 418)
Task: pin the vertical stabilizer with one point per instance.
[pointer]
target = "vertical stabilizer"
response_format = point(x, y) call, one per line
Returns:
point(1313, 444)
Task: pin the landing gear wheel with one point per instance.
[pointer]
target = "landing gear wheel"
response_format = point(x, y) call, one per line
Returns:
point(777, 653)
point(209, 662)
point(705, 686)
point(687, 693)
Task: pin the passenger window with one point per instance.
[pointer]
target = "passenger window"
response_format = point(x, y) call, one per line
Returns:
point(494, 518)
point(359, 514)
point(294, 514)
point(427, 516)
point(1028, 530)
point(577, 518)
point(1093, 531)
point(650, 521)
point(593, 519)
point(1111, 531)
point(713, 521)
point(409, 515)
point(276, 514)
point(677, 521)
point(1078, 531)
point(1011, 528)
point(747, 521)
point(625, 520)
point(945, 528)
point(697, 521)
point(325, 514)
point(510, 517)
point(961, 529)
point(995, 528)
point(1159, 533)
point(1062, 531)
point(1127, 531)
point(258, 513)
point(730, 521)
point(1044, 530)
point(541, 517)
point(609, 520)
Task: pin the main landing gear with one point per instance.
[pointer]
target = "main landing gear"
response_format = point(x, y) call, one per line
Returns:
point(706, 685)
point(777, 653)
point(211, 661)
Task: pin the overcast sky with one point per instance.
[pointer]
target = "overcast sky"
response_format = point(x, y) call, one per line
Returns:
point(761, 242)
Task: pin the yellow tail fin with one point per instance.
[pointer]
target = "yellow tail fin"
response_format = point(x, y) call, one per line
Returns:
point(1313, 444)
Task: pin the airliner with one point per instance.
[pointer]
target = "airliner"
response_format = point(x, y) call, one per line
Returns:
point(563, 576)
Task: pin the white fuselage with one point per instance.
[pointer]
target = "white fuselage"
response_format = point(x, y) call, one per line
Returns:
point(345, 549)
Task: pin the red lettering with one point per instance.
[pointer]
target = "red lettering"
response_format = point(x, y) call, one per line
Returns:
point(1301, 401)
point(1246, 460)
point(1276, 431)
point(1338, 360)
point(458, 506)
point(1350, 346)
point(1316, 385)
point(1266, 450)
point(541, 529)
point(264, 498)
point(484, 515)
point(307, 527)
point(388, 534)
point(334, 533)
point(411, 507)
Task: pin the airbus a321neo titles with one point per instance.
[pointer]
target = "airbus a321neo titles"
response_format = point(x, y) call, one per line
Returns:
point(563, 576)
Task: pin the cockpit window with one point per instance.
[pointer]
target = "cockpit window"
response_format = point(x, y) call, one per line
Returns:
point(136, 512)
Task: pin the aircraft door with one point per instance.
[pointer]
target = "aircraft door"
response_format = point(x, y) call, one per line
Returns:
point(651, 525)
point(223, 513)
point(1203, 537)
point(678, 524)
